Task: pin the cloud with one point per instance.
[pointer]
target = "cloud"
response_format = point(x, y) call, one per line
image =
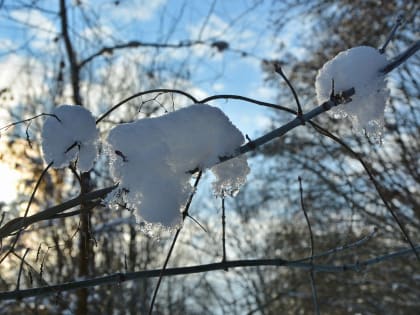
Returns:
point(23, 78)
point(214, 29)
point(264, 93)
point(38, 27)
point(138, 10)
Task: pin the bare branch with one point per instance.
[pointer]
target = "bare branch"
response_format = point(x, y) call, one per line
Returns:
point(121, 277)
point(21, 222)
point(192, 98)
point(279, 70)
point(28, 120)
point(21, 268)
point(137, 44)
point(391, 34)
point(311, 261)
point(401, 58)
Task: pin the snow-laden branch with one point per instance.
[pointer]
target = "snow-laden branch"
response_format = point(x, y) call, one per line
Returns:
point(130, 276)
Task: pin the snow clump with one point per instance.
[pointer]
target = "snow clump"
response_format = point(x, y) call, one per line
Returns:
point(153, 160)
point(360, 68)
point(69, 134)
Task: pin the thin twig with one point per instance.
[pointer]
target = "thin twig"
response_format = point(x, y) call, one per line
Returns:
point(306, 218)
point(21, 268)
point(344, 247)
point(391, 34)
point(168, 256)
point(27, 120)
point(192, 98)
point(246, 99)
point(373, 180)
point(197, 222)
point(223, 228)
point(279, 70)
point(311, 272)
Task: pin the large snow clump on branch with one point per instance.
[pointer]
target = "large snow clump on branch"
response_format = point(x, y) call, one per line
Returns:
point(69, 134)
point(153, 160)
point(360, 68)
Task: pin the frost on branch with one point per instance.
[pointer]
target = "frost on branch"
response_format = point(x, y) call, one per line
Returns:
point(153, 160)
point(70, 135)
point(359, 68)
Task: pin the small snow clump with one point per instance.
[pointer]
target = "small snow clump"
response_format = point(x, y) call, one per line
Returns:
point(69, 134)
point(153, 160)
point(359, 68)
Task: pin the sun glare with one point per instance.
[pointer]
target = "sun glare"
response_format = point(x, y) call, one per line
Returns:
point(8, 182)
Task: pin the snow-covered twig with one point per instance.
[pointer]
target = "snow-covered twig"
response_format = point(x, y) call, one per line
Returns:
point(130, 276)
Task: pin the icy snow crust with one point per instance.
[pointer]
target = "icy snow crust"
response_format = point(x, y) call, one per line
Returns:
point(76, 128)
point(357, 67)
point(153, 159)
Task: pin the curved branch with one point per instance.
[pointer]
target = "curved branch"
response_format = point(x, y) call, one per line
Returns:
point(246, 99)
point(192, 98)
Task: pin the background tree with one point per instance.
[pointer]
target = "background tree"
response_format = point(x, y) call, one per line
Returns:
point(337, 191)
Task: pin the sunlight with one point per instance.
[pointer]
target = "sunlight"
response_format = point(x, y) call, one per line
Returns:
point(8, 182)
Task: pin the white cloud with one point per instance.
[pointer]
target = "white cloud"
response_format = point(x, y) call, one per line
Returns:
point(7, 44)
point(138, 10)
point(23, 77)
point(264, 93)
point(101, 32)
point(217, 87)
point(40, 28)
point(218, 29)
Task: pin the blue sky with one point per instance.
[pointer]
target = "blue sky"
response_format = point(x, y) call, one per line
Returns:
point(243, 24)
point(29, 37)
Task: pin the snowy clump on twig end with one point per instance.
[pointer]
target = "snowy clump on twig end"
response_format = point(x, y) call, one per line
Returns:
point(69, 134)
point(153, 160)
point(358, 68)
